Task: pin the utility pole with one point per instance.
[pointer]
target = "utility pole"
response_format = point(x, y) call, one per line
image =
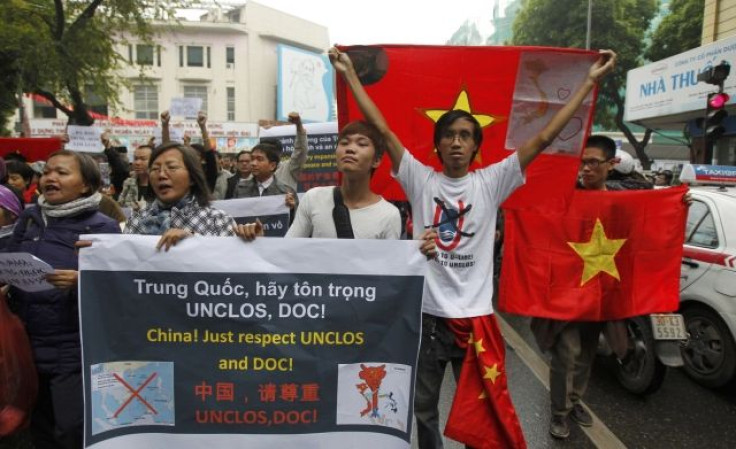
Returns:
point(590, 16)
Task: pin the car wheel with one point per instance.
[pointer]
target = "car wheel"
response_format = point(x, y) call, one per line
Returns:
point(710, 353)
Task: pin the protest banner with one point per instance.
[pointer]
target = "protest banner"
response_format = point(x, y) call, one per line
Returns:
point(270, 210)
point(321, 166)
point(185, 107)
point(132, 133)
point(276, 343)
point(84, 138)
point(25, 271)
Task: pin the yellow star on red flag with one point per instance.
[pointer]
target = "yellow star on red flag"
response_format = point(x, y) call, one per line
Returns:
point(478, 344)
point(492, 373)
point(598, 253)
point(462, 102)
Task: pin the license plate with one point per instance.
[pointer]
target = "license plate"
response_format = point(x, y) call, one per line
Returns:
point(668, 326)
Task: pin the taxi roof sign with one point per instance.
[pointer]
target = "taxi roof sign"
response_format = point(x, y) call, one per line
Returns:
point(708, 174)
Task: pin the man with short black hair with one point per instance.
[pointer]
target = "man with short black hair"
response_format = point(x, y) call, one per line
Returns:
point(137, 192)
point(572, 344)
point(366, 214)
point(240, 178)
point(264, 160)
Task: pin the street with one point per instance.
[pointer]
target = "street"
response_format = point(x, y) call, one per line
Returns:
point(681, 414)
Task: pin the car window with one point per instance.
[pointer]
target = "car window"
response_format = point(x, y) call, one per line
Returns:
point(701, 228)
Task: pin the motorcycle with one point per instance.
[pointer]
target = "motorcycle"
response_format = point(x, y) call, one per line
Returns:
point(645, 349)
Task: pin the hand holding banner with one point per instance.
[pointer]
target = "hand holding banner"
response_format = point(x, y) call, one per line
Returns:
point(271, 210)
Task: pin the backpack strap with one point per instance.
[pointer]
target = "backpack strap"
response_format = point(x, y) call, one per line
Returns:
point(341, 216)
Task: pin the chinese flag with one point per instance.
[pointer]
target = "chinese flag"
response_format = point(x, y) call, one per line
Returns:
point(482, 414)
point(611, 255)
point(512, 91)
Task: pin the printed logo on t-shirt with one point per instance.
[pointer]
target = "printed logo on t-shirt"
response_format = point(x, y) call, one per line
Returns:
point(448, 221)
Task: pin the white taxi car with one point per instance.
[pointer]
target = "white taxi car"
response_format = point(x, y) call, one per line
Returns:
point(708, 276)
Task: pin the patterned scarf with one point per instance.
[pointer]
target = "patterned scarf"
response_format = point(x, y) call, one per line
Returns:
point(157, 219)
point(70, 208)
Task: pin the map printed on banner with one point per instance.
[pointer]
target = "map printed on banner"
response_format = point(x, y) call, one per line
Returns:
point(132, 394)
point(544, 84)
point(25, 271)
point(84, 138)
point(228, 343)
point(271, 210)
point(373, 393)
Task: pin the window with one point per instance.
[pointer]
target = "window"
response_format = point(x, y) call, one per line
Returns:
point(231, 104)
point(94, 102)
point(43, 109)
point(145, 102)
point(700, 229)
point(144, 54)
point(230, 55)
point(197, 92)
point(195, 57)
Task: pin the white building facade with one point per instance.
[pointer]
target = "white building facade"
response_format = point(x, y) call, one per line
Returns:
point(228, 59)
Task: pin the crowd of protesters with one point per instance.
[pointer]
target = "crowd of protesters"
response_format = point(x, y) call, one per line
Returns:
point(168, 190)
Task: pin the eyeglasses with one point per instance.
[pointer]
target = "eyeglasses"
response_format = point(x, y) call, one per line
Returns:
point(464, 136)
point(592, 163)
point(169, 170)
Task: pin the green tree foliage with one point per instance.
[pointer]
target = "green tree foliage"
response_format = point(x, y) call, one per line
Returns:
point(616, 24)
point(13, 38)
point(63, 49)
point(679, 31)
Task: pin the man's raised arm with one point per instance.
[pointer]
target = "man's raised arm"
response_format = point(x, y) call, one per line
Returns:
point(343, 65)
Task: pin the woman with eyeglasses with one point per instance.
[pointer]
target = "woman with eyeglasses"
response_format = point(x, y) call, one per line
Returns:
point(68, 207)
point(182, 206)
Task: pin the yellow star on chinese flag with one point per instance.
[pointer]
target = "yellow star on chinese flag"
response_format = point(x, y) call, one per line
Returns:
point(462, 102)
point(479, 346)
point(492, 373)
point(598, 253)
point(483, 395)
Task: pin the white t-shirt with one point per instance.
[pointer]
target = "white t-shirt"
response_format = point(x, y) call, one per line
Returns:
point(380, 220)
point(459, 283)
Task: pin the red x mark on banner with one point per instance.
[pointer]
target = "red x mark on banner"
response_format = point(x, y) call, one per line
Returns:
point(135, 393)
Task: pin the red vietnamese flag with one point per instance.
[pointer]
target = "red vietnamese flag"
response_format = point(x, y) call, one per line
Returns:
point(512, 91)
point(611, 255)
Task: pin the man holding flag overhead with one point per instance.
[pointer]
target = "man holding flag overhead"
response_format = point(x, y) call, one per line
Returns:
point(458, 325)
